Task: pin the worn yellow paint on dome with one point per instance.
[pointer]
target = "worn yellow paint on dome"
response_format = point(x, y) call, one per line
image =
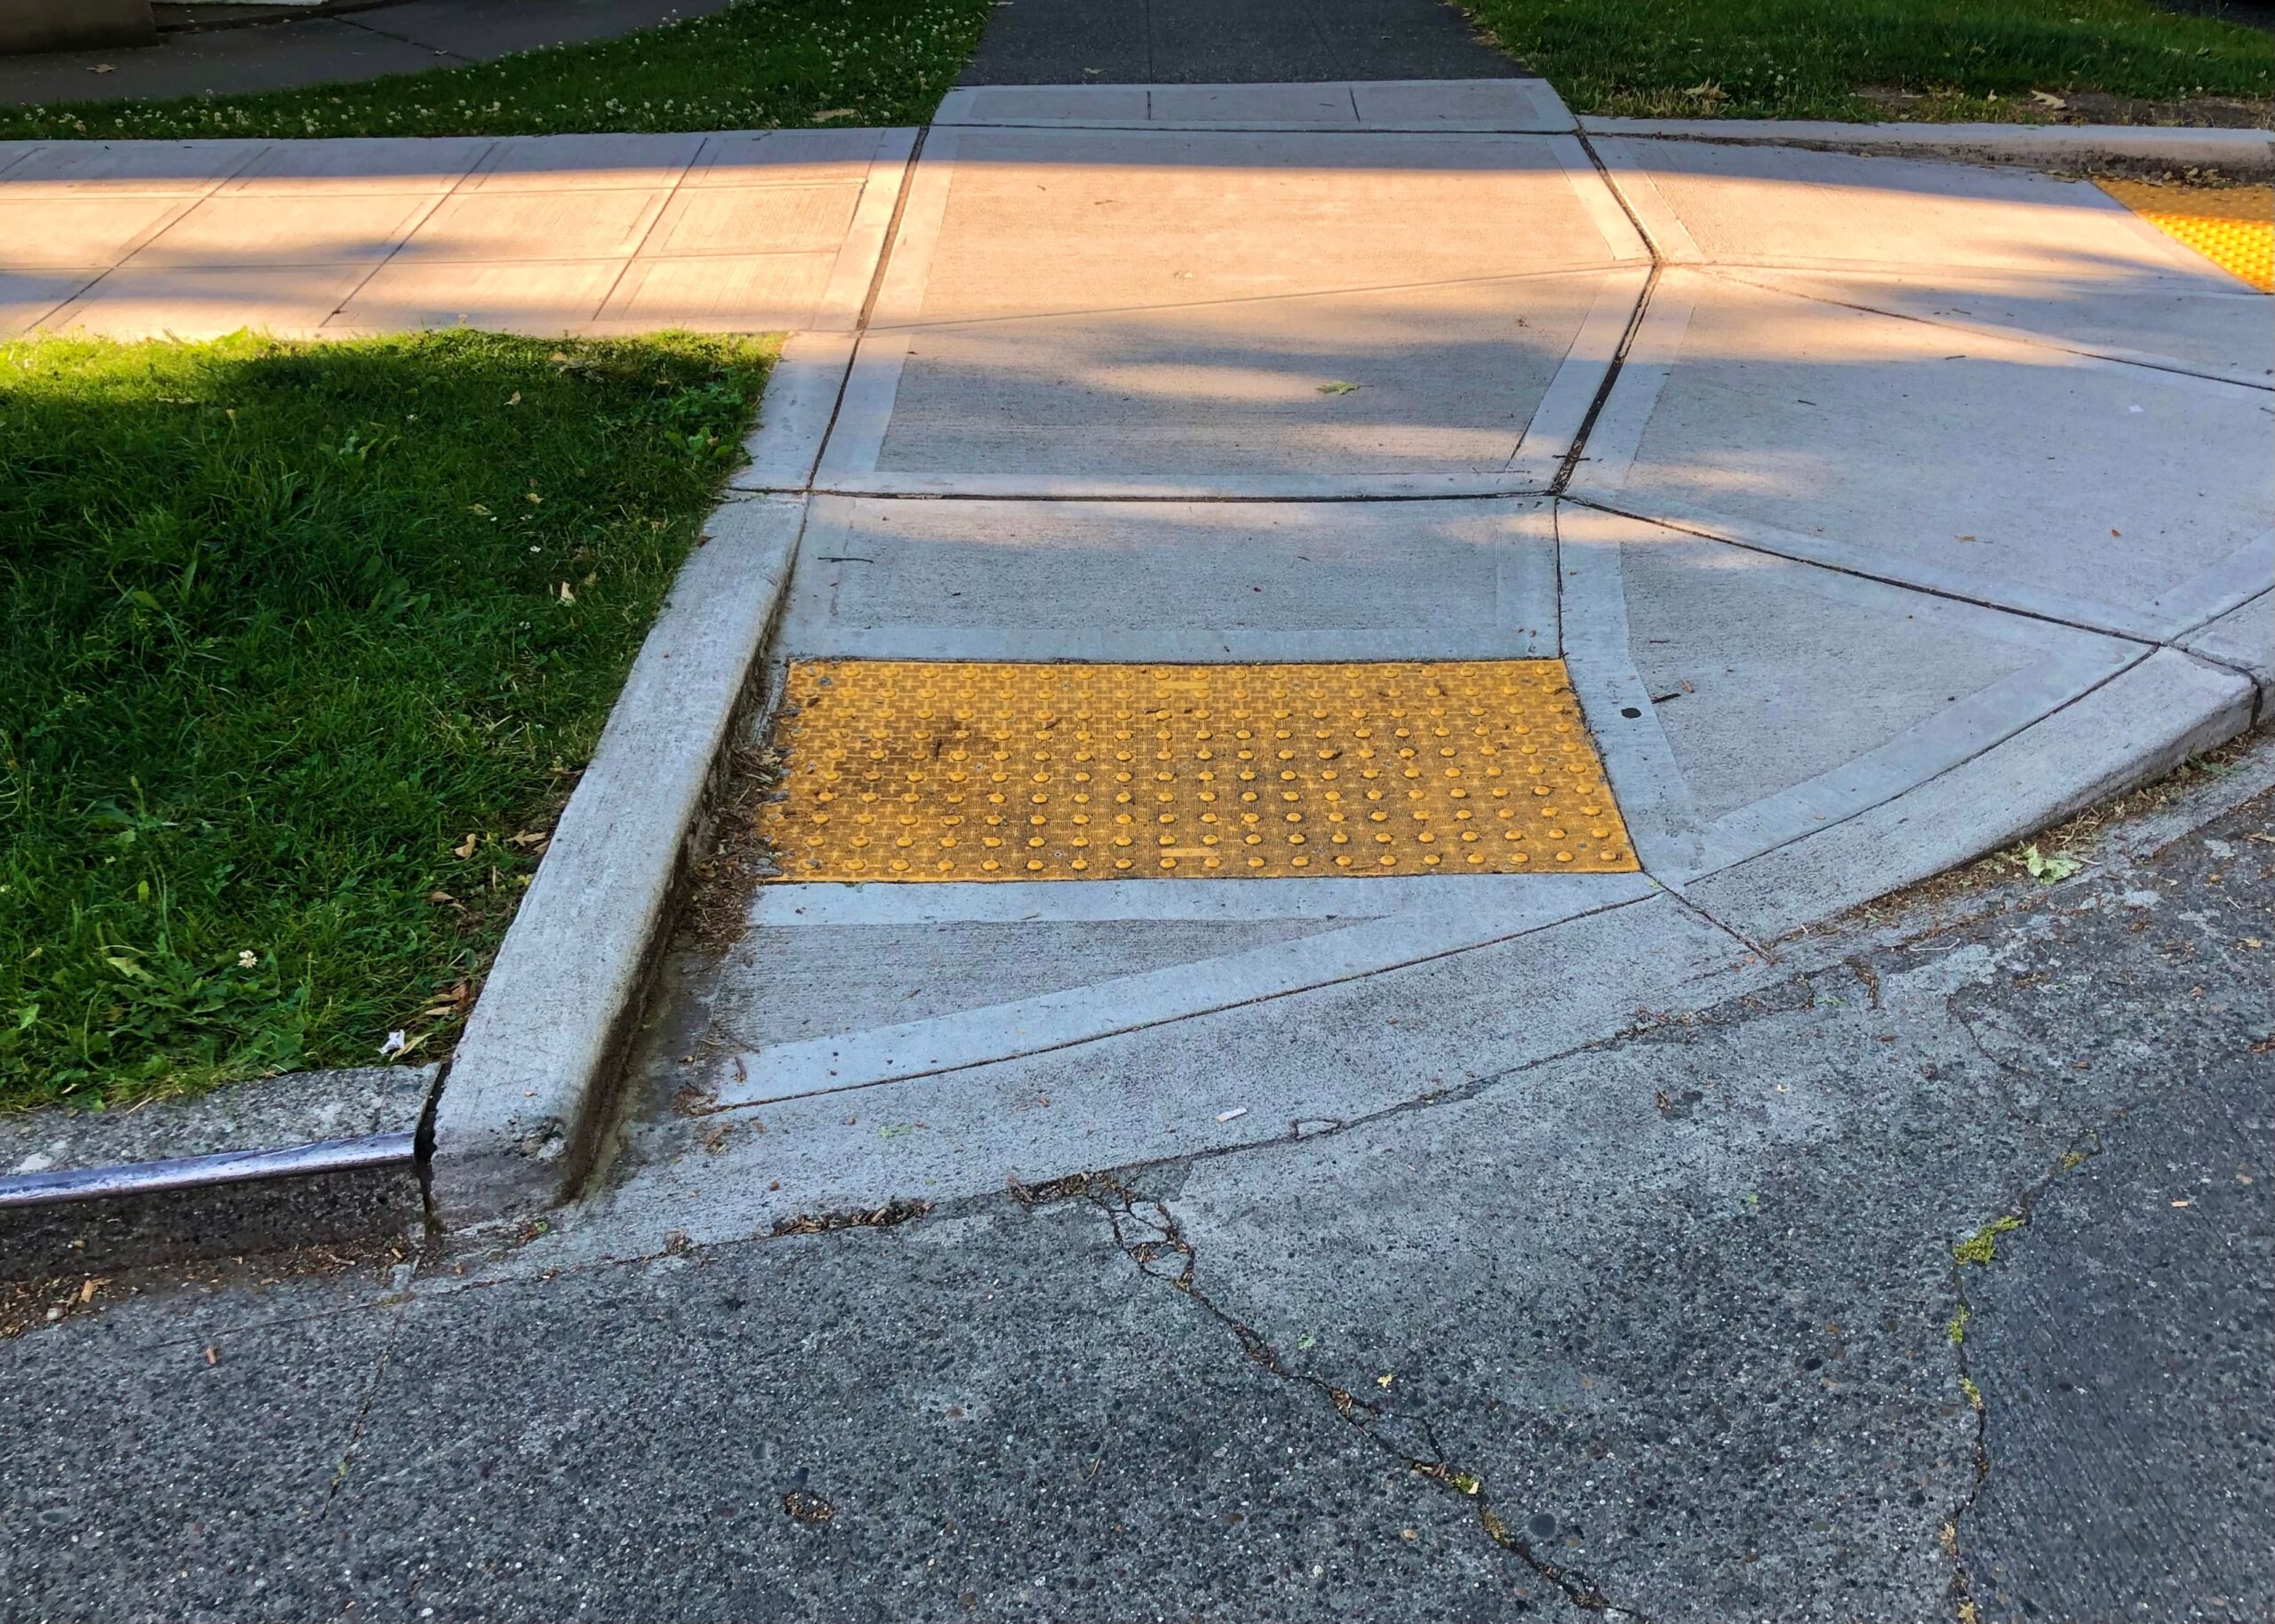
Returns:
point(2233, 227)
point(937, 770)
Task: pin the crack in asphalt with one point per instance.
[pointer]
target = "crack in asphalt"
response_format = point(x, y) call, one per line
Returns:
point(2015, 1216)
point(1151, 1238)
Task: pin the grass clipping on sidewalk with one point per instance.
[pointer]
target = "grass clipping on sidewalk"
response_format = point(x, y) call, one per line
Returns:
point(301, 646)
point(1940, 59)
point(758, 65)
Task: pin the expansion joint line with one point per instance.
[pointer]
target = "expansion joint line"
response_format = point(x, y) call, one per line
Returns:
point(1577, 452)
point(1151, 1238)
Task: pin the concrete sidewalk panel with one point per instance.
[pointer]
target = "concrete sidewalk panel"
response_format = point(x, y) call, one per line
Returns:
point(1514, 106)
point(585, 162)
point(718, 293)
point(787, 157)
point(1208, 308)
point(548, 299)
point(1421, 380)
point(127, 169)
point(40, 233)
point(207, 301)
point(536, 225)
point(2127, 499)
point(379, 164)
point(252, 230)
point(1786, 206)
point(1058, 222)
point(1236, 107)
point(887, 579)
point(1238, 1076)
point(28, 298)
point(2133, 729)
point(1098, 1007)
point(1763, 698)
point(2213, 332)
point(757, 220)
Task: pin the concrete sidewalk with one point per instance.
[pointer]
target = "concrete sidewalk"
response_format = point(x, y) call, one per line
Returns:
point(1556, 1242)
point(736, 232)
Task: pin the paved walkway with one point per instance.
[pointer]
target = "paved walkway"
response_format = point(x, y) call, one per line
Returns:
point(739, 232)
point(409, 36)
point(1547, 1240)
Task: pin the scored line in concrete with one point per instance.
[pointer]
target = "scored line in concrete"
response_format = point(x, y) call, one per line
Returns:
point(934, 771)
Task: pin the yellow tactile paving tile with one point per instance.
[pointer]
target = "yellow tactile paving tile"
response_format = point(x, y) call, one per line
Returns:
point(925, 770)
point(2233, 227)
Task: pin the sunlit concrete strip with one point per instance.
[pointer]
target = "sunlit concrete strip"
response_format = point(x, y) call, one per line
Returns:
point(1024, 345)
point(882, 578)
point(2006, 251)
point(521, 1104)
point(1511, 106)
point(1773, 646)
point(2235, 151)
point(1083, 1015)
point(734, 232)
point(1748, 415)
point(2224, 334)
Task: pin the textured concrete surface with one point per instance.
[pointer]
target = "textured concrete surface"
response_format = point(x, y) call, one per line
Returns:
point(1656, 1326)
point(406, 37)
point(742, 231)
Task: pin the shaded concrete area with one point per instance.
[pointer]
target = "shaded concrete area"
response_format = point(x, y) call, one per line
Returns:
point(1243, 42)
point(406, 36)
point(1657, 1327)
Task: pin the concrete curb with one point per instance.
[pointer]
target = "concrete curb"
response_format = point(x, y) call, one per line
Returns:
point(2237, 151)
point(2132, 730)
point(522, 1103)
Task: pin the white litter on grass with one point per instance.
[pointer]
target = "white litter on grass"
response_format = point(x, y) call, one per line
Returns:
point(397, 1041)
point(1237, 1110)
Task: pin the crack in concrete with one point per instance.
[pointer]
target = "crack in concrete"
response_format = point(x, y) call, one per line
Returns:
point(1150, 1236)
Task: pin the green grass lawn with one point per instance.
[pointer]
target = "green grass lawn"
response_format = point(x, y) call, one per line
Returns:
point(1809, 59)
point(757, 65)
point(300, 649)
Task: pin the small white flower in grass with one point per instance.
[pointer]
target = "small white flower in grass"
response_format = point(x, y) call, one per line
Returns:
point(397, 1041)
point(247, 959)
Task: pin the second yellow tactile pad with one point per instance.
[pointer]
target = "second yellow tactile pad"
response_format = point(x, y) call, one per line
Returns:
point(909, 770)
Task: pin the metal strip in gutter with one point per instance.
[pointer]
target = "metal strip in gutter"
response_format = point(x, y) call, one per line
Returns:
point(19, 1190)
